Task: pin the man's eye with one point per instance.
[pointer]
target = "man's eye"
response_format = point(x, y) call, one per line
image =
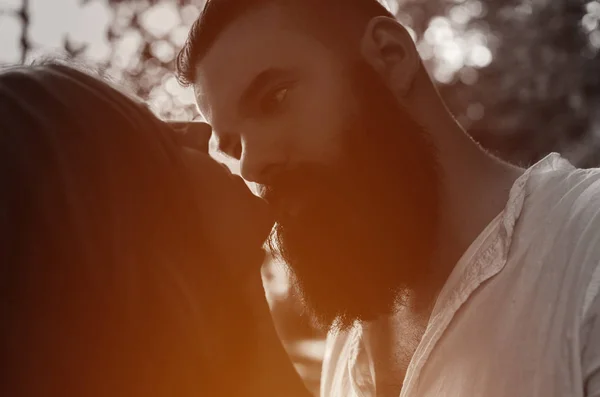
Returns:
point(272, 102)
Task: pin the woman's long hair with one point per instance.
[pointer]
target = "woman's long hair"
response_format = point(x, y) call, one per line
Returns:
point(107, 287)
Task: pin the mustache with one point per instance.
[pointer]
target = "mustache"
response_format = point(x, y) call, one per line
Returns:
point(295, 182)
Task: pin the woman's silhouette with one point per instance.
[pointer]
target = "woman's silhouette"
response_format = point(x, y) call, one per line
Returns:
point(126, 262)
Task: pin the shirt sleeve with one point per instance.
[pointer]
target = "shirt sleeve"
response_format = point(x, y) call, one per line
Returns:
point(590, 359)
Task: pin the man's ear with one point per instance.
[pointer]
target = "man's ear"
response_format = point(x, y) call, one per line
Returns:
point(388, 47)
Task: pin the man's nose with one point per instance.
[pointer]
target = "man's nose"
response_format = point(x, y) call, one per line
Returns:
point(194, 135)
point(261, 167)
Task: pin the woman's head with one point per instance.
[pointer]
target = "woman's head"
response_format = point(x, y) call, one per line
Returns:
point(106, 260)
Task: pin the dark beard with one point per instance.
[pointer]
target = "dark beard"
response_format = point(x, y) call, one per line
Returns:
point(368, 235)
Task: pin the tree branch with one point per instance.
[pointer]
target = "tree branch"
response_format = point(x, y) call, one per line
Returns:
point(23, 15)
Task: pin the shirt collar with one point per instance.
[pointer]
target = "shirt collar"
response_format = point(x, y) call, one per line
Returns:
point(484, 258)
point(472, 268)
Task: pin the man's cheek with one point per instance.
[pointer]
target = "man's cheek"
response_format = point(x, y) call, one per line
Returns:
point(317, 143)
point(327, 135)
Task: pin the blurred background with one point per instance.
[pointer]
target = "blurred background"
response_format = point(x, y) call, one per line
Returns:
point(522, 76)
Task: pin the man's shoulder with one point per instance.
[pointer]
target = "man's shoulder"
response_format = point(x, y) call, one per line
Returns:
point(571, 195)
point(561, 212)
point(560, 226)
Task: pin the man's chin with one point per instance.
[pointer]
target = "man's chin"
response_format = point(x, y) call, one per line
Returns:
point(341, 314)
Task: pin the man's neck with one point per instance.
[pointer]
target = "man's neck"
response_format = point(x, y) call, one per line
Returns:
point(475, 188)
point(474, 185)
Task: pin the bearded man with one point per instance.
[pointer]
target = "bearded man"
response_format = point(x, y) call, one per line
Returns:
point(391, 218)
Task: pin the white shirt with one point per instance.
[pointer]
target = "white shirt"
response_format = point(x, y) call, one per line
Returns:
point(519, 314)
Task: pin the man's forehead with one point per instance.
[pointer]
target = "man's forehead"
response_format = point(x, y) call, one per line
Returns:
point(261, 39)
point(249, 29)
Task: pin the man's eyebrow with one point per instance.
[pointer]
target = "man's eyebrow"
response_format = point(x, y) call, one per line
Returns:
point(258, 84)
point(225, 140)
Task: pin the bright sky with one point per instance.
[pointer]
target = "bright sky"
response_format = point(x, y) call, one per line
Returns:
point(50, 21)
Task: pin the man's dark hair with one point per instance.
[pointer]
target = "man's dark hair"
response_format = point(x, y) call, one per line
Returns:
point(219, 14)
